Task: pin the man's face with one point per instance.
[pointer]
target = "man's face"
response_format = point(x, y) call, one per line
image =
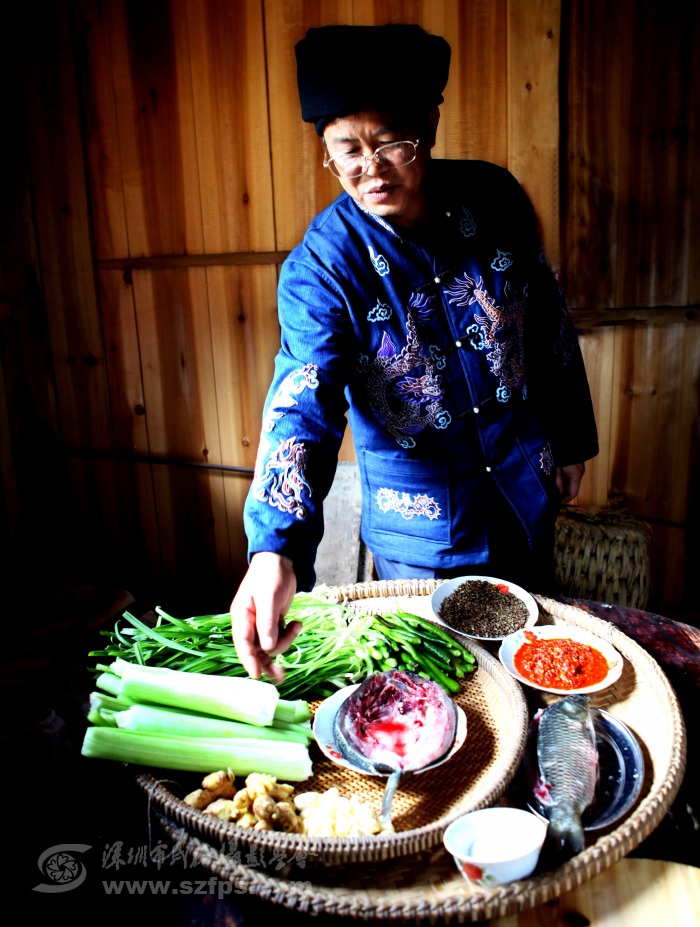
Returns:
point(394, 193)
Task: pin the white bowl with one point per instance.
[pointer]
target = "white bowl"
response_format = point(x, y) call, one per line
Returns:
point(512, 644)
point(324, 732)
point(494, 846)
point(449, 586)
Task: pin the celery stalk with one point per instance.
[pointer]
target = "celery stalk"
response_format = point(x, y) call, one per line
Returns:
point(292, 710)
point(99, 700)
point(104, 717)
point(151, 719)
point(301, 727)
point(232, 697)
point(109, 682)
point(288, 762)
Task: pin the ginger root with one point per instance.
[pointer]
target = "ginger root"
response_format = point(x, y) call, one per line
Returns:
point(222, 783)
point(242, 801)
point(221, 807)
point(265, 808)
point(264, 803)
point(263, 784)
point(199, 799)
point(286, 818)
point(247, 820)
point(268, 805)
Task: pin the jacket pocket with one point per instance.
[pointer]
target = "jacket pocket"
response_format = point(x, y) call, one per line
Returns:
point(409, 499)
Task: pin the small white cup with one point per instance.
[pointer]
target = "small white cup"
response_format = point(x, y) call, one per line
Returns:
point(494, 846)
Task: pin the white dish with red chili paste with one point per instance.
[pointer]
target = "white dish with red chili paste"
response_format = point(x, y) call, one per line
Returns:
point(560, 659)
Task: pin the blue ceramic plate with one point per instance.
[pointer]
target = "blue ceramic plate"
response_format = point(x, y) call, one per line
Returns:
point(621, 772)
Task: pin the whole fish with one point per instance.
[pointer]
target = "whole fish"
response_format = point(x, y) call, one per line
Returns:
point(567, 756)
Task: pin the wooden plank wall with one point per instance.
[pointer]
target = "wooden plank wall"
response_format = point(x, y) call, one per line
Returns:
point(170, 173)
point(631, 261)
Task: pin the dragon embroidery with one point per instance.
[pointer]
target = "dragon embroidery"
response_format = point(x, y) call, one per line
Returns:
point(281, 482)
point(403, 388)
point(497, 330)
point(293, 385)
point(423, 304)
point(279, 473)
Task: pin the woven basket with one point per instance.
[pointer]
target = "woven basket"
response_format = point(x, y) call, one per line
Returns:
point(602, 554)
point(424, 886)
point(425, 803)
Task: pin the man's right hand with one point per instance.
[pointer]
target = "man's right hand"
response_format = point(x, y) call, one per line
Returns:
point(258, 611)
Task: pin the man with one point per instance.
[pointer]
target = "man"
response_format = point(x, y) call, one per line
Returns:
point(419, 303)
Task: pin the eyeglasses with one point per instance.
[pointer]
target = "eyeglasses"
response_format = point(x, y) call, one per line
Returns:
point(348, 166)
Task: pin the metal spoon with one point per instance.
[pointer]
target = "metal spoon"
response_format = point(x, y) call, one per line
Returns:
point(363, 764)
point(392, 765)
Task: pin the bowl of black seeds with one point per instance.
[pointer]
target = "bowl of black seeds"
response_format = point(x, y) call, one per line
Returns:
point(484, 607)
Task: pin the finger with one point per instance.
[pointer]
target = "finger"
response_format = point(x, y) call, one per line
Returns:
point(286, 637)
point(245, 638)
point(275, 674)
point(270, 621)
point(269, 668)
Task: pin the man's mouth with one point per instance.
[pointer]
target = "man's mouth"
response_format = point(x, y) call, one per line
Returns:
point(379, 190)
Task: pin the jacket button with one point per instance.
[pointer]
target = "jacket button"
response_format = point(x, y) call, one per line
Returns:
point(475, 410)
point(488, 469)
point(437, 279)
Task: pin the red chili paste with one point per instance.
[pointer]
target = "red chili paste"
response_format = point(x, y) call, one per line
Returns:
point(559, 663)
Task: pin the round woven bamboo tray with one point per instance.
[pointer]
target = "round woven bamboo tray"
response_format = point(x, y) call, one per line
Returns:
point(423, 885)
point(425, 803)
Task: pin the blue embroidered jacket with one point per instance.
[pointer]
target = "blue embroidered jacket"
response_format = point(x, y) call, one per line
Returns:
point(455, 358)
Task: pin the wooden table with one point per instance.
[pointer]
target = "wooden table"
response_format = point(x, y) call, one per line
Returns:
point(632, 893)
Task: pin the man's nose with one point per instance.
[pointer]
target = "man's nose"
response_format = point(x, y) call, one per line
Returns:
point(373, 163)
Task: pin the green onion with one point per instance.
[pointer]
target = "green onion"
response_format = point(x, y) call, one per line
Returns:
point(289, 762)
point(336, 646)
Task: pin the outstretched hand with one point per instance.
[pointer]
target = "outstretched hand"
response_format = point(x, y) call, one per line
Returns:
point(258, 613)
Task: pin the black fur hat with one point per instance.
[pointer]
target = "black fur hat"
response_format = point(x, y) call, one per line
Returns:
point(346, 69)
